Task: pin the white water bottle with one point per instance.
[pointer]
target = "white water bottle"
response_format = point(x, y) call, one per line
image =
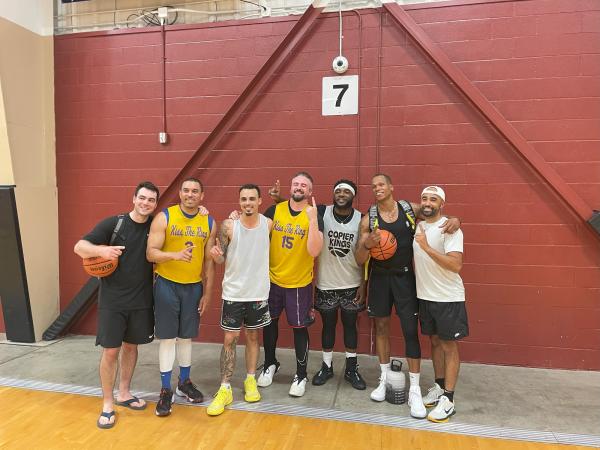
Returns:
point(395, 383)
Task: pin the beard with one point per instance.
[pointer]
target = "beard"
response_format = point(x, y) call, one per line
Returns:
point(298, 197)
point(429, 212)
point(343, 203)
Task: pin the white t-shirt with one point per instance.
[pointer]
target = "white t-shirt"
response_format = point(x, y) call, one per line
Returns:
point(434, 283)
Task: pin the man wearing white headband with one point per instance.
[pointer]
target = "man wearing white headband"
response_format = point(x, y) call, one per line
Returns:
point(441, 294)
point(340, 281)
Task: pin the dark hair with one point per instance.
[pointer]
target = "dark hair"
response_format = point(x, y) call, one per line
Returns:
point(147, 185)
point(387, 177)
point(250, 186)
point(195, 180)
point(305, 175)
point(344, 180)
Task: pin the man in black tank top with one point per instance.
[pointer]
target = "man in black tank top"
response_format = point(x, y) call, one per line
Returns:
point(392, 282)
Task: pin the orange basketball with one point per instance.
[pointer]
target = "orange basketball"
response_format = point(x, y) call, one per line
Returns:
point(386, 248)
point(100, 267)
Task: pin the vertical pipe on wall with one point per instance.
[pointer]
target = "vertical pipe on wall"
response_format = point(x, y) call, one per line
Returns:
point(360, 57)
point(164, 77)
point(379, 58)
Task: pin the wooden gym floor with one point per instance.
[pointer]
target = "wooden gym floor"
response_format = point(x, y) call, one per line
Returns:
point(46, 420)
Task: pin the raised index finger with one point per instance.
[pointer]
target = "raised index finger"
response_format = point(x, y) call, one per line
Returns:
point(313, 202)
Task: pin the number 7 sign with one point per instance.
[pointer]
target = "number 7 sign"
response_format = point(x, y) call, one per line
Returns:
point(340, 95)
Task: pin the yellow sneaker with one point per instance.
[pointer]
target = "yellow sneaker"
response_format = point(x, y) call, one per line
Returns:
point(251, 393)
point(223, 397)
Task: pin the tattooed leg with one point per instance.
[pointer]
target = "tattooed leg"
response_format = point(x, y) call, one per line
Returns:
point(228, 355)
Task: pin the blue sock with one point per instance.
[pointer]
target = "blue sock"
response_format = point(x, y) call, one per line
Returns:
point(165, 379)
point(184, 373)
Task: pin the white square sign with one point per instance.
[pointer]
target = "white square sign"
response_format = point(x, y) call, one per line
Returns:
point(340, 95)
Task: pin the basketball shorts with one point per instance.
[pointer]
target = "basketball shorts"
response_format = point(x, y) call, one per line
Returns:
point(176, 309)
point(448, 320)
point(395, 288)
point(329, 299)
point(297, 303)
point(134, 327)
point(252, 315)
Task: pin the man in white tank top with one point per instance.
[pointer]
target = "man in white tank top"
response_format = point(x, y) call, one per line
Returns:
point(243, 245)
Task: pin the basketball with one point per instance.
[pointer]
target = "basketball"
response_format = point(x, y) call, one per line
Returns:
point(386, 248)
point(100, 267)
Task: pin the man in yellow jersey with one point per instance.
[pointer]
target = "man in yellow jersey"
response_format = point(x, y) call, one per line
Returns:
point(296, 239)
point(179, 242)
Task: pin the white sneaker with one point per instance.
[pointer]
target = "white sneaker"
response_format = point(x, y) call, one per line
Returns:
point(266, 375)
point(415, 402)
point(443, 410)
point(432, 396)
point(298, 386)
point(378, 393)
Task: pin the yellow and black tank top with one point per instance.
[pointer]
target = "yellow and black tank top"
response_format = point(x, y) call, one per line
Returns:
point(184, 230)
point(290, 264)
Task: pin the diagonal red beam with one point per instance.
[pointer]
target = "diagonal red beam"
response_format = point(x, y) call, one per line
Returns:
point(296, 35)
point(496, 119)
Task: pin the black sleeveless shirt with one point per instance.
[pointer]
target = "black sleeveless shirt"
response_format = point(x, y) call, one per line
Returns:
point(404, 237)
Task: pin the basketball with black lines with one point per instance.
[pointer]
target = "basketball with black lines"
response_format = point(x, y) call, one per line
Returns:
point(386, 248)
point(100, 267)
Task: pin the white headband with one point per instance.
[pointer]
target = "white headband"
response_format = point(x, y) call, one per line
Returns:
point(344, 186)
point(435, 190)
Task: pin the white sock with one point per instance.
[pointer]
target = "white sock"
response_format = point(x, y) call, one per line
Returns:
point(226, 385)
point(328, 358)
point(414, 379)
point(384, 368)
point(249, 375)
point(166, 354)
point(350, 355)
point(184, 352)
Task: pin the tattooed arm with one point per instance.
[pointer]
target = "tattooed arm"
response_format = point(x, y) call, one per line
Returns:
point(219, 251)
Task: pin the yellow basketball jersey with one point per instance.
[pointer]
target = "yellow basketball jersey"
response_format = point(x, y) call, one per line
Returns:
point(184, 230)
point(290, 264)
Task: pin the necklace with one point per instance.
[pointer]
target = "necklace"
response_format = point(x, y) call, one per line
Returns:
point(390, 216)
point(341, 219)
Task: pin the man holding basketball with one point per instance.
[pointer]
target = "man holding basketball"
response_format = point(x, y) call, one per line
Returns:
point(442, 312)
point(243, 245)
point(296, 239)
point(125, 314)
point(179, 243)
point(392, 282)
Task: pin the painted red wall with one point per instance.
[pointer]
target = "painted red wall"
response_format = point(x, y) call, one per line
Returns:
point(532, 269)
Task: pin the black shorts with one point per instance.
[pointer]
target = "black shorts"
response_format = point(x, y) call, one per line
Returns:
point(448, 320)
point(134, 327)
point(329, 299)
point(393, 287)
point(252, 315)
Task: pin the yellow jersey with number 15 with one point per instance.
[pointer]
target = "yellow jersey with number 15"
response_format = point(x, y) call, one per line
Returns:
point(290, 264)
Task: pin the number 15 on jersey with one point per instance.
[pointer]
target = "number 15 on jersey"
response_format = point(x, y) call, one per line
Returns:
point(340, 95)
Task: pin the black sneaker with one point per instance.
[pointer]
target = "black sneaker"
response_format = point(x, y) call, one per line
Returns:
point(188, 390)
point(352, 376)
point(165, 402)
point(323, 375)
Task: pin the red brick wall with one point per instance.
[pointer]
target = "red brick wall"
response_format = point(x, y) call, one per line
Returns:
point(532, 270)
